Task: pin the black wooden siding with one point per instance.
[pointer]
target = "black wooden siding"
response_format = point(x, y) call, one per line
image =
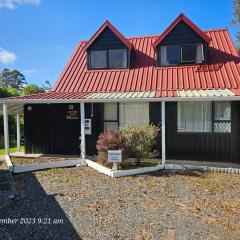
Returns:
point(48, 131)
point(107, 40)
point(202, 146)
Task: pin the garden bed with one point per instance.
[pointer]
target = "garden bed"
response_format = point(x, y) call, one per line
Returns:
point(145, 167)
point(36, 160)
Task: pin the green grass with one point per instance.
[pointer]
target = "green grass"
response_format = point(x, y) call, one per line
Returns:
point(11, 150)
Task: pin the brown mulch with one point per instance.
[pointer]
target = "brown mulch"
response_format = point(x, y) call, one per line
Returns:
point(34, 160)
point(160, 205)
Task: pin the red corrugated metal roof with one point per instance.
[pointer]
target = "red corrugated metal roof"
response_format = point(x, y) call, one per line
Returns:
point(50, 96)
point(183, 18)
point(222, 70)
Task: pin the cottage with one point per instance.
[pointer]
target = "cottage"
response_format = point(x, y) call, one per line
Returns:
point(185, 79)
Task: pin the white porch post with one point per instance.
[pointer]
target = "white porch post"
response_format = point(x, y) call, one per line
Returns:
point(163, 133)
point(5, 124)
point(18, 132)
point(83, 144)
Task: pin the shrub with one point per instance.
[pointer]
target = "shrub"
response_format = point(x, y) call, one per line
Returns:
point(109, 140)
point(140, 140)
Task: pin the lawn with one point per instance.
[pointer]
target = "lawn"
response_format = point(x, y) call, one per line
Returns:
point(11, 150)
point(79, 203)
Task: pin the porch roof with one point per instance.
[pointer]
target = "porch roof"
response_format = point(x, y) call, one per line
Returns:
point(158, 95)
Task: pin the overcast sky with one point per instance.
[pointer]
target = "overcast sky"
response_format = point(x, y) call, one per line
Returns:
point(38, 36)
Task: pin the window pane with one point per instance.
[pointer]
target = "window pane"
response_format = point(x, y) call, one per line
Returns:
point(110, 112)
point(222, 127)
point(117, 58)
point(189, 53)
point(172, 55)
point(110, 125)
point(194, 117)
point(133, 114)
point(98, 59)
point(222, 111)
point(200, 55)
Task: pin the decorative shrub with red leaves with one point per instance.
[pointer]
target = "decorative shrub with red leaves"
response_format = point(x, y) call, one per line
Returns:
point(109, 140)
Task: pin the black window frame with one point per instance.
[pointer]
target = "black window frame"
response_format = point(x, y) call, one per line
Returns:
point(107, 56)
point(181, 62)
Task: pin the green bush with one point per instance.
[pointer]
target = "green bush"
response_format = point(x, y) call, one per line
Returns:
point(140, 140)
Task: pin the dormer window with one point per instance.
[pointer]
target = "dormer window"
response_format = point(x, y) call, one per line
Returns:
point(181, 54)
point(112, 58)
point(108, 49)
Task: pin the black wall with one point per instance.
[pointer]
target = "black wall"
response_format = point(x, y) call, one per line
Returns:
point(48, 131)
point(202, 146)
point(182, 34)
point(107, 40)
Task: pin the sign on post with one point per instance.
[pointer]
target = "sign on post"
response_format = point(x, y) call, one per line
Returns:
point(88, 126)
point(114, 156)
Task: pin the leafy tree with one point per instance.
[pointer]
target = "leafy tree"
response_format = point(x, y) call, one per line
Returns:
point(13, 78)
point(47, 85)
point(236, 20)
point(32, 88)
point(9, 92)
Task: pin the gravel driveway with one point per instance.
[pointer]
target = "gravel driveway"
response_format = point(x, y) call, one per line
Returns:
point(79, 203)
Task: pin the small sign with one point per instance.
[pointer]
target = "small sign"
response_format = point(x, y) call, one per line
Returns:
point(114, 156)
point(71, 113)
point(181, 129)
point(88, 126)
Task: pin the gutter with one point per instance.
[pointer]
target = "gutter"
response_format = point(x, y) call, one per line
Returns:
point(96, 100)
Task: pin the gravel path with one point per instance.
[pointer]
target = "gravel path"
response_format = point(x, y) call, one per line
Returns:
point(161, 205)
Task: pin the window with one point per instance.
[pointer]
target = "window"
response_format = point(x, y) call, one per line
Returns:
point(133, 114)
point(192, 53)
point(110, 116)
point(98, 59)
point(222, 117)
point(170, 55)
point(114, 58)
point(194, 117)
point(117, 58)
point(177, 54)
point(204, 117)
point(125, 114)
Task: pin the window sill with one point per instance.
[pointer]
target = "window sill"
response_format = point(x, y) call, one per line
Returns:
point(203, 133)
point(107, 69)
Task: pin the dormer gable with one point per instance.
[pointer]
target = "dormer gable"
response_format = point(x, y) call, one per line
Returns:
point(108, 49)
point(182, 43)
